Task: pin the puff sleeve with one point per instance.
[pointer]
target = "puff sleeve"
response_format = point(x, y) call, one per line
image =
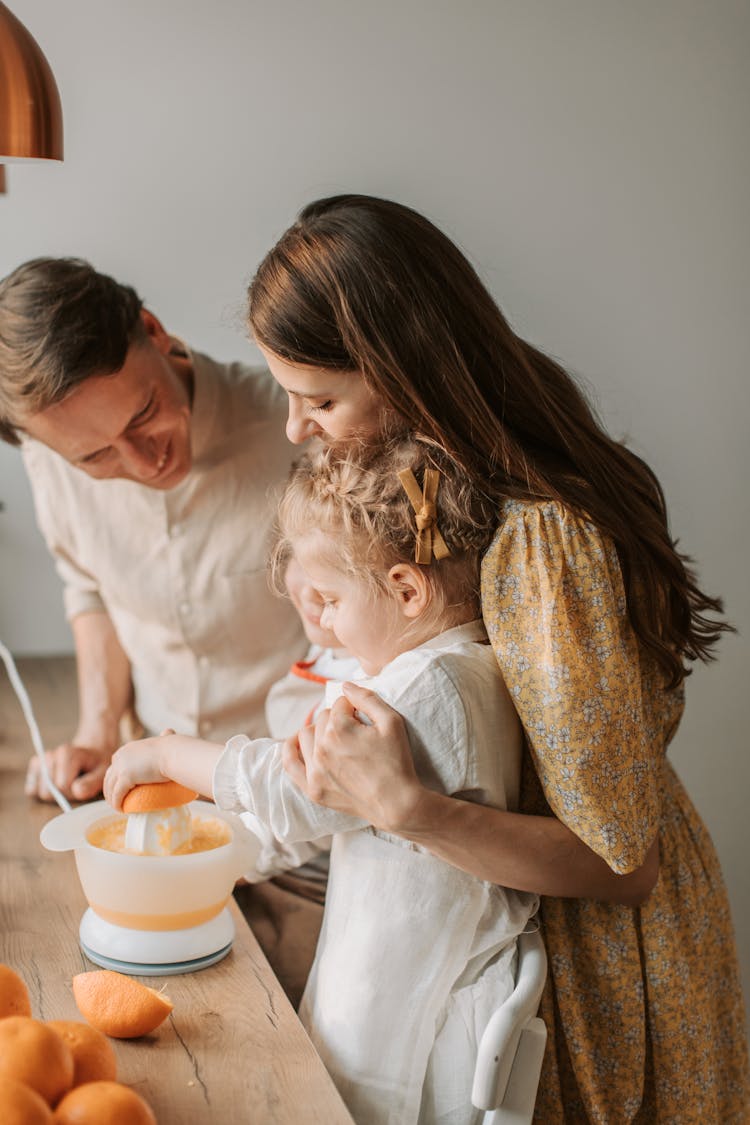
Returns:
point(554, 606)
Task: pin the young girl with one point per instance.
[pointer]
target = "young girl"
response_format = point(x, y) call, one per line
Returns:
point(285, 910)
point(414, 955)
point(292, 701)
point(372, 319)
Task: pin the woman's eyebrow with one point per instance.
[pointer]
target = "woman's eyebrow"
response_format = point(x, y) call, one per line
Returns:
point(309, 394)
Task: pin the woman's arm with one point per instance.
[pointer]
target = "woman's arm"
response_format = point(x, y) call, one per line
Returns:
point(367, 771)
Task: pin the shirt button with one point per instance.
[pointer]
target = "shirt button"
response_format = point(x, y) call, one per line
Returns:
point(184, 608)
point(175, 530)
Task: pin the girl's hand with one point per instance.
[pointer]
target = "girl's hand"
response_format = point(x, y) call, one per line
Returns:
point(364, 770)
point(135, 763)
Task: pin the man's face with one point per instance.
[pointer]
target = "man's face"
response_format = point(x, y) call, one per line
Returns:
point(133, 425)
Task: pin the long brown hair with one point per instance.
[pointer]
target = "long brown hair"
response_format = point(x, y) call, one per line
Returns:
point(367, 285)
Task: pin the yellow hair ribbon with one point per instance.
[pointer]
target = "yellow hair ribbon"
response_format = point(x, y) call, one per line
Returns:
point(429, 541)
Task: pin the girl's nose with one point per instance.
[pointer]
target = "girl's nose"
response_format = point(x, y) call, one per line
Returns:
point(325, 617)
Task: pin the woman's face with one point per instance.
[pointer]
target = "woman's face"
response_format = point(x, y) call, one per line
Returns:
point(336, 406)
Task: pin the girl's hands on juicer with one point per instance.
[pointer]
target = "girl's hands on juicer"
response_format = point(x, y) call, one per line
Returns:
point(168, 757)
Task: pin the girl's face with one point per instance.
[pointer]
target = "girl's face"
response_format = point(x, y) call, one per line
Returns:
point(309, 605)
point(368, 623)
point(336, 406)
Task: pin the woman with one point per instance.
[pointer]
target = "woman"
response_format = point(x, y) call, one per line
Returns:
point(372, 320)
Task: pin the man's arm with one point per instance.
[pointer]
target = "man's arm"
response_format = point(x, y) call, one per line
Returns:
point(105, 693)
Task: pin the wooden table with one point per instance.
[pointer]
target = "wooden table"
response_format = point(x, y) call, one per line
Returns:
point(233, 1051)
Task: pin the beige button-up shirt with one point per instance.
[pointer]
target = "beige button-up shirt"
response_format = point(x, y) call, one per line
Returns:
point(182, 574)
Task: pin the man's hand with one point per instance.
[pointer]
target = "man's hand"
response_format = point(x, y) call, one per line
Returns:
point(77, 771)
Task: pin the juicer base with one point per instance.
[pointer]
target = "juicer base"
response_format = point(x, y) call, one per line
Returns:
point(155, 952)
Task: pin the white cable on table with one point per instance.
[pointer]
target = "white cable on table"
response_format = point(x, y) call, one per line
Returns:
point(28, 714)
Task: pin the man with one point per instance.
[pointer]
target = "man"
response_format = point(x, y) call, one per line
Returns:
point(153, 470)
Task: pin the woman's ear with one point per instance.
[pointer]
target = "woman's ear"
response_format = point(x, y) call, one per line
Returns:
point(411, 588)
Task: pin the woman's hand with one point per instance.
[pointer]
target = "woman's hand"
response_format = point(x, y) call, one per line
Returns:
point(363, 768)
point(368, 772)
point(135, 763)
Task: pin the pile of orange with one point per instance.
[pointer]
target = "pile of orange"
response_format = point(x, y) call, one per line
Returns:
point(64, 1072)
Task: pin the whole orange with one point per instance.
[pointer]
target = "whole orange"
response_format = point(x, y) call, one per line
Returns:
point(20, 1105)
point(14, 995)
point(103, 1103)
point(34, 1053)
point(93, 1054)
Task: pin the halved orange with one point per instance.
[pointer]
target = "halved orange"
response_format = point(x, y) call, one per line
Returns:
point(157, 795)
point(14, 995)
point(118, 1005)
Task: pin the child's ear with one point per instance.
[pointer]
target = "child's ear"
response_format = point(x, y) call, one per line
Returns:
point(410, 585)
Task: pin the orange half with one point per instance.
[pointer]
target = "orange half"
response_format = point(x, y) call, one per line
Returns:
point(118, 1005)
point(157, 795)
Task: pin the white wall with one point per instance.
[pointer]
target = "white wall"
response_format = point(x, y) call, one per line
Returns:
point(591, 157)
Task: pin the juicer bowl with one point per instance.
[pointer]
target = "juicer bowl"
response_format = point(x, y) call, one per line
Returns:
point(146, 892)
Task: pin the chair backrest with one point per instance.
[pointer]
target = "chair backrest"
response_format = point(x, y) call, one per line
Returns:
point(502, 1068)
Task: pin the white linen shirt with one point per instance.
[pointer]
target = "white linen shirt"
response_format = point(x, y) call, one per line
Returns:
point(414, 955)
point(182, 573)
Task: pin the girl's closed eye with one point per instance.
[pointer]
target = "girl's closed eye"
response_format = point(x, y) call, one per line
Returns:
point(323, 407)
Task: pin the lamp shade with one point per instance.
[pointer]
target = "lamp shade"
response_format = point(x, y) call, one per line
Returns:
point(30, 113)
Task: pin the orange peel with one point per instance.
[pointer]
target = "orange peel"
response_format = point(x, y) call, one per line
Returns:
point(33, 1052)
point(118, 1005)
point(98, 1102)
point(93, 1055)
point(20, 1105)
point(157, 795)
point(14, 995)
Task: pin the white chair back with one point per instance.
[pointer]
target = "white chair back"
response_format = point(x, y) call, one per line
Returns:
point(509, 1060)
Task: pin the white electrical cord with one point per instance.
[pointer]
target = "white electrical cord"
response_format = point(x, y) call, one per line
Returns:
point(28, 714)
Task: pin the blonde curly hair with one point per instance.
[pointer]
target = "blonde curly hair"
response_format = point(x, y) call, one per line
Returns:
point(356, 500)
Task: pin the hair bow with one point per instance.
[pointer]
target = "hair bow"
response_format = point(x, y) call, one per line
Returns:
point(429, 541)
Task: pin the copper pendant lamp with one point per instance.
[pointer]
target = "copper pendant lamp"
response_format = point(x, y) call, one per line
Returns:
point(30, 113)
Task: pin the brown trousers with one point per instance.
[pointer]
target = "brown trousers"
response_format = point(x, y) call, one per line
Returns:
point(286, 922)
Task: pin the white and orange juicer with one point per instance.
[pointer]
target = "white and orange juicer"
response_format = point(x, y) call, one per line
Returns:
point(159, 913)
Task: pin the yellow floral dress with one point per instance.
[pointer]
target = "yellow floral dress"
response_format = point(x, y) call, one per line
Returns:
point(643, 1005)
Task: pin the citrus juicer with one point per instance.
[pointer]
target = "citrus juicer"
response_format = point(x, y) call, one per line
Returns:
point(148, 914)
point(153, 914)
